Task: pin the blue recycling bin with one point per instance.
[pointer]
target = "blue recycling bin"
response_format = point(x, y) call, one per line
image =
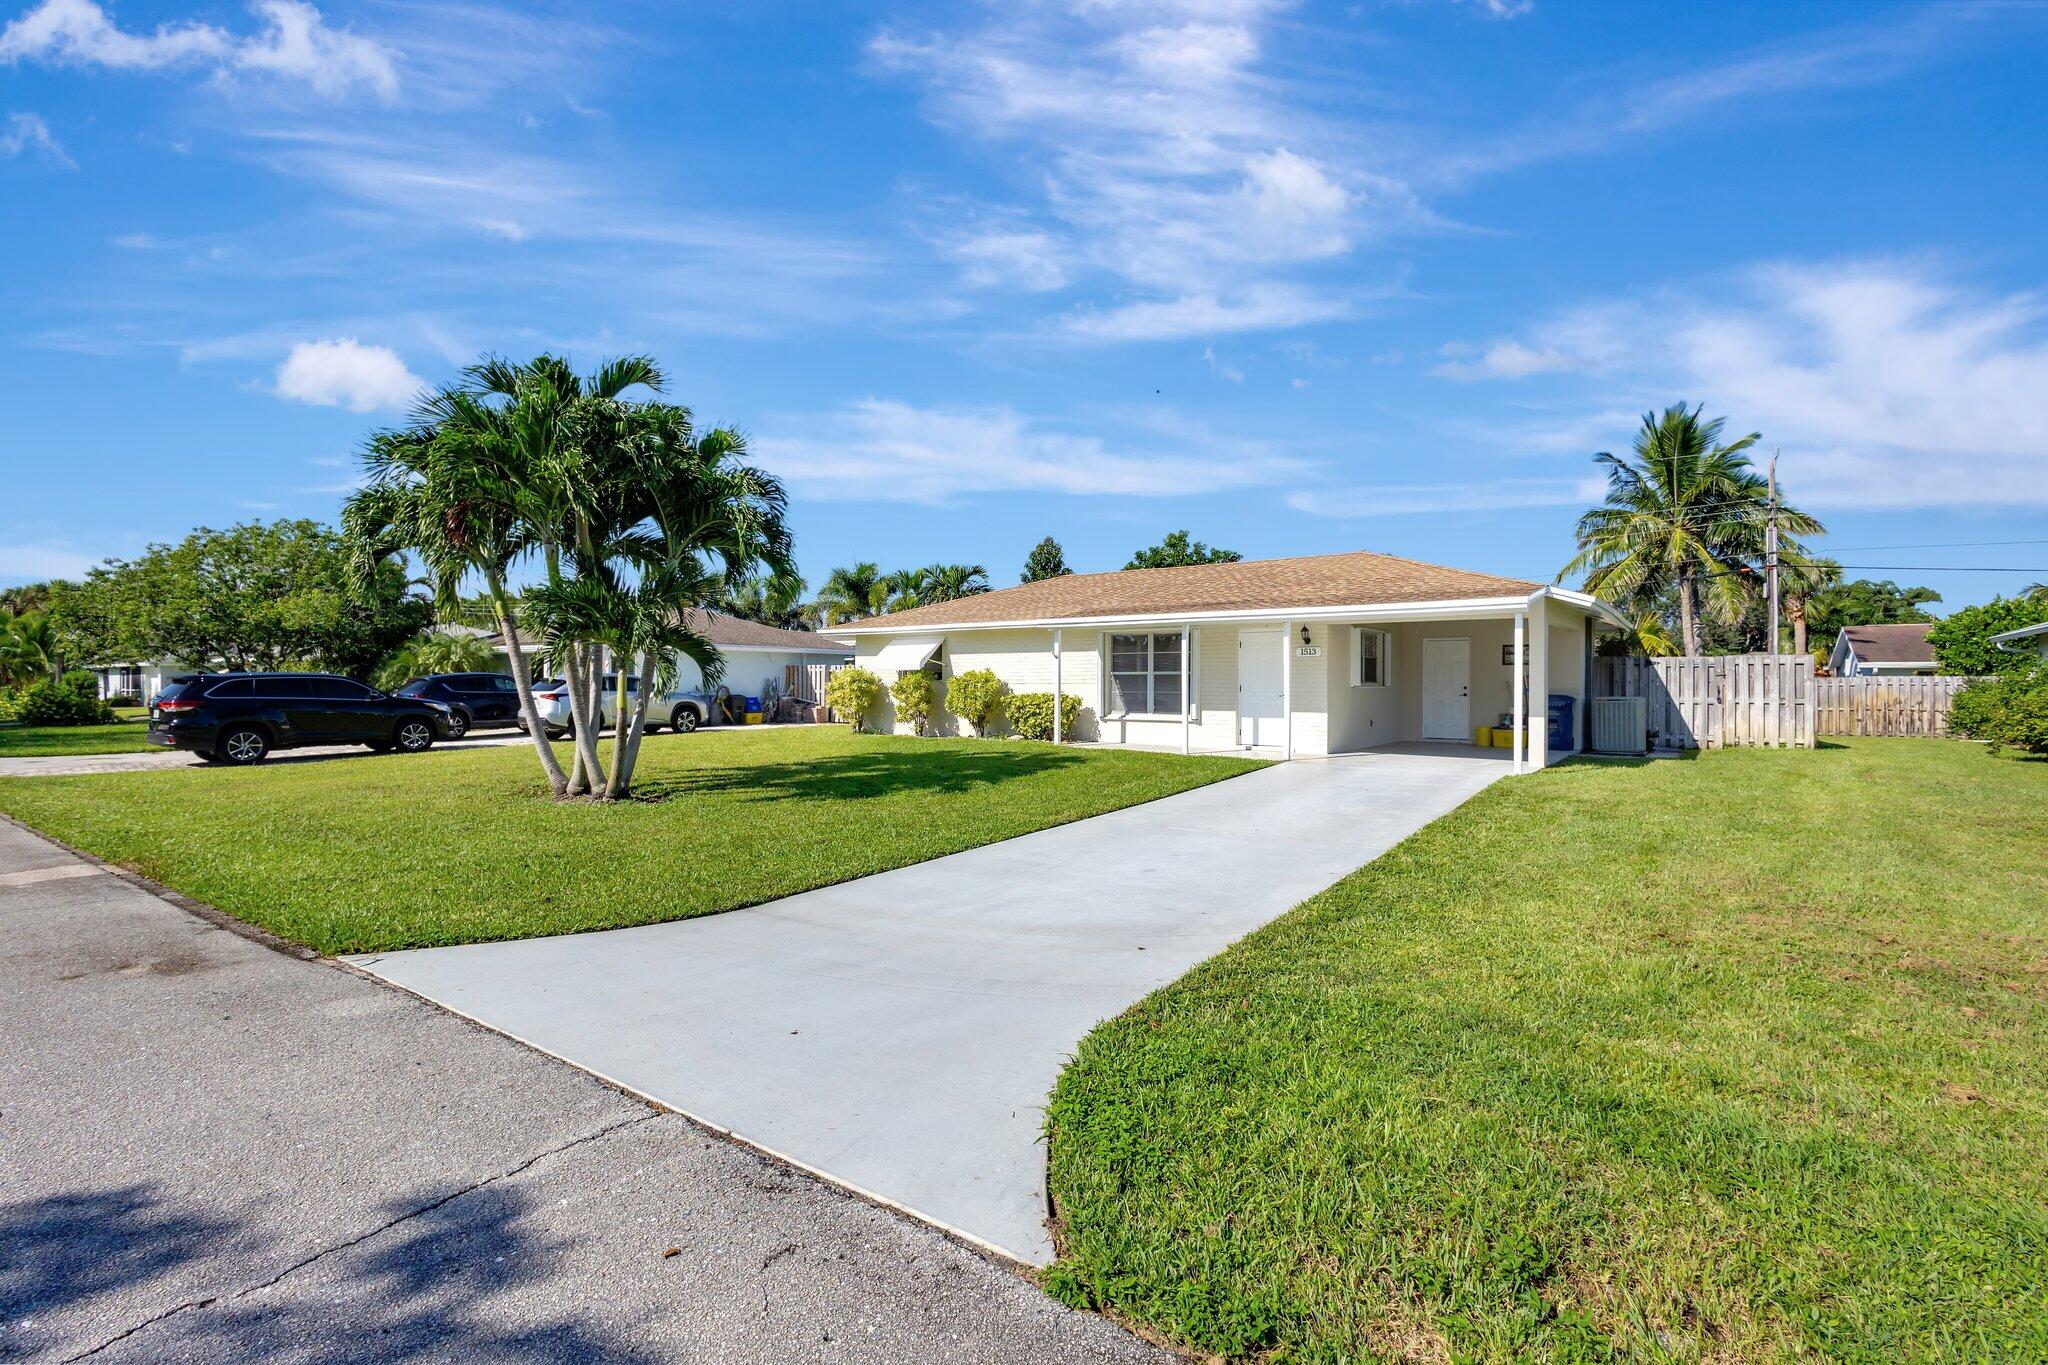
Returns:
point(1560, 739)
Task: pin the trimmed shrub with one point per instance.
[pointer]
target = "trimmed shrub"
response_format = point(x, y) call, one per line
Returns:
point(977, 698)
point(62, 703)
point(853, 692)
point(1031, 715)
point(913, 694)
point(124, 699)
point(2007, 711)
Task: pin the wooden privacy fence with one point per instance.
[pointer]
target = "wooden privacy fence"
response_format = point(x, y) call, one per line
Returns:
point(1723, 701)
point(1905, 707)
point(806, 682)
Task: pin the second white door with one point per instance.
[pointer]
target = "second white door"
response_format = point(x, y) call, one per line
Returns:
point(1447, 688)
point(1261, 697)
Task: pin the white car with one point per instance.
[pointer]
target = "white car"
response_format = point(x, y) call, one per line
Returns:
point(680, 709)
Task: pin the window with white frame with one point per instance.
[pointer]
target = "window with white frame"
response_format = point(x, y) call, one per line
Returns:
point(1371, 652)
point(1144, 675)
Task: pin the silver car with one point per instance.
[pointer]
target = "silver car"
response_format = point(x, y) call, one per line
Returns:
point(680, 709)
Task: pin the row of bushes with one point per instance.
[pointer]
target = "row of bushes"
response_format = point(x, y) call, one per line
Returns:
point(71, 700)
point(978, 697)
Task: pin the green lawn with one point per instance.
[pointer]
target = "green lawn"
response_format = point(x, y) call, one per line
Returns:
point(380, 852)
point(39, 741)
point(1744, 1058)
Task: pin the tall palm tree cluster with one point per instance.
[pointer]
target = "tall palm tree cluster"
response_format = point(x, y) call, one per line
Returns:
point(864, 590)
point(1680, 538)
point(625, 513)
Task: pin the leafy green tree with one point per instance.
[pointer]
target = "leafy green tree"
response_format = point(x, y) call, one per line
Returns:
point(1177, 550)
point(948, 582)
point(1862, 602)
point(255, 596)
point(1684, 513)
point(1046, 560)
point(1962, 640)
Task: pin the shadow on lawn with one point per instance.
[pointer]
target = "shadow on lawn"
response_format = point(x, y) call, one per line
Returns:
point(857, 776)
point(429, 1286)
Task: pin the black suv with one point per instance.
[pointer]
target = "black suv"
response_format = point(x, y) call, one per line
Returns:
point(241, 717)
point(477, 700)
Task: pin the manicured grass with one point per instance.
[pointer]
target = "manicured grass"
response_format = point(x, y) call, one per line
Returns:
point(1743, 1058)
point(39, 741)
point(381, 852)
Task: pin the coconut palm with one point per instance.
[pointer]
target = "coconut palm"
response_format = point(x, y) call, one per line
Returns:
point(29, 647)
point(436, 651)
point(1686, 513)
point(1800, 579)
point(770, 600)
point(947, 582)
point(853, 592)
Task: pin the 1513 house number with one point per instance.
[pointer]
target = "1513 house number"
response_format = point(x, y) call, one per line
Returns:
point(1308, 651)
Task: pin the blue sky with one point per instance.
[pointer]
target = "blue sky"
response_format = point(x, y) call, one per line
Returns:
point(1380, 275)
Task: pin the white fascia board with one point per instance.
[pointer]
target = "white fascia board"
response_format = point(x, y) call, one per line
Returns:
point(2005, 637)
point(1447, 609)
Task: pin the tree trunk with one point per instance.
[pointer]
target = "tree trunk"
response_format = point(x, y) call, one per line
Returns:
point(1796, 609)
point(588, 776)
point(629, 741)
point(522, 679)
point(1689, 614)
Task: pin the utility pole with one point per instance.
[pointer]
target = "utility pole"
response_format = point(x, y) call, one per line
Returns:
point(1771, 550)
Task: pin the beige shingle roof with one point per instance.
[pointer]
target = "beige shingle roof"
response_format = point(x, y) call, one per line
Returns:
point(1903, 644)
point(1360, 578)
point(721, 629)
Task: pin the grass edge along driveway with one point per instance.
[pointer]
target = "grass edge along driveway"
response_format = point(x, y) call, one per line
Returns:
point(124, 736)
point(1744, 1058)
point(385, 852)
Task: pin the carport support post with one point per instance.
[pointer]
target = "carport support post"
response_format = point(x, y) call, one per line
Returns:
point(1287, 688)
point(1187, 702)
point(1059, 689)
point(1518, 685)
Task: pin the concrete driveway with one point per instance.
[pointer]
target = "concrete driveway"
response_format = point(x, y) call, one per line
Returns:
point(899, 1034)
point(212, 1151)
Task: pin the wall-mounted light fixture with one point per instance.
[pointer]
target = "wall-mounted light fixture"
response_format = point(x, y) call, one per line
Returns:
point(1304, 635)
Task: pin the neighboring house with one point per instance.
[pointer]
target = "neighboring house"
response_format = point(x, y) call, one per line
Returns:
point(757, 657)
point(2025, 640)
point(1883, 652)
point(143, 680)
point(1320, 655)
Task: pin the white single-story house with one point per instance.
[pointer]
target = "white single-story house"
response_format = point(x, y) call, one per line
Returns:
point(1899, 651)
point(143, 680)
point(757, 657)
point(2026, 640)
point(1324, 654)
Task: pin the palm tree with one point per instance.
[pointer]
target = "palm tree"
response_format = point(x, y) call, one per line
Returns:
point(453, 487)
point(849, 593)
point(436, 651)
point(768, 599)
point(29, 647)
point(1683, 512)
point(1800, 579)
point(947, 582)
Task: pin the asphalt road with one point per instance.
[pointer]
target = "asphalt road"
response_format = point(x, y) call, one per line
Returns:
point(211, 1150)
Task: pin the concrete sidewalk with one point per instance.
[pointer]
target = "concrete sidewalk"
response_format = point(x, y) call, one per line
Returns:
point(212, 1151)
point(900, 1033)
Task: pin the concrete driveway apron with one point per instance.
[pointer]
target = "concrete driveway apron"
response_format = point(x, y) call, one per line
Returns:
point(899, 1034)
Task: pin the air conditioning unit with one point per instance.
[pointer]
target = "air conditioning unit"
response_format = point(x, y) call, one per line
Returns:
point(1621, 725)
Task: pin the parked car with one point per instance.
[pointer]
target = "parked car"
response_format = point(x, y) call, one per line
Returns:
point(680, 709)
point(240, 717)
point(478, 701)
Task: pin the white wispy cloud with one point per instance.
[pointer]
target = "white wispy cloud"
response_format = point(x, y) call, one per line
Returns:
point(292, 42)
point(1161, 155)
point(884, 449)
point(33, 561)
point(1888, 383)
point(343, 372)
point(1473, 495)
point(1222, 369)
point(28, 133)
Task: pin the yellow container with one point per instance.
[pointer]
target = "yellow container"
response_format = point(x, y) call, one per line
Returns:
point(753, 717)
point(1503, 737)
point(1483, 736)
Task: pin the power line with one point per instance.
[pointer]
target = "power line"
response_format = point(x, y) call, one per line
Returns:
point(1938, 545)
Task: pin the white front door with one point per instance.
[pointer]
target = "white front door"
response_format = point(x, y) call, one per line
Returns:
point(1447, 689)
point(1261, 695)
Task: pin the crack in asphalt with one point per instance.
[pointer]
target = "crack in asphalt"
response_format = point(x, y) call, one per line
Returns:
point(361, 1238)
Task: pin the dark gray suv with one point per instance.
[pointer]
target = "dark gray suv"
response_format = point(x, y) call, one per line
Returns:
point(241, 717)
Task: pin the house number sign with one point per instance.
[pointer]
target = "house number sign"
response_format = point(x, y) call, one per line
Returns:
point(1308, 651)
